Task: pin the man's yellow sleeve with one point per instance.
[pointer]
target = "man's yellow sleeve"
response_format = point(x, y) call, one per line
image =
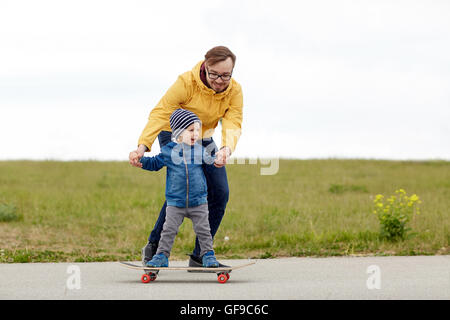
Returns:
point(232, 121)
point(159, 118)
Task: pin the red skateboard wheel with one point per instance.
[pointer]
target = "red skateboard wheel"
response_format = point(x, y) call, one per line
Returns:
point(146, 278)
point(153, 276)
point(222, 278)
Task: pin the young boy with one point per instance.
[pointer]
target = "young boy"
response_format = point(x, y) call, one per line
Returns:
point(186, 190)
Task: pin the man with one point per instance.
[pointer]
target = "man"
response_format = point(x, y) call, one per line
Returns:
point(209, 91)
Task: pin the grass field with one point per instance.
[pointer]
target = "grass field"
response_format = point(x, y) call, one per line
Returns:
point(103, 211)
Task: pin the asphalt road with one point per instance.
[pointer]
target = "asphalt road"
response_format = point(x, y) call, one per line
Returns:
point(418, 277)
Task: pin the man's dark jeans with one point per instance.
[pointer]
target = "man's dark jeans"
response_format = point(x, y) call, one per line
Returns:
point(218, 192)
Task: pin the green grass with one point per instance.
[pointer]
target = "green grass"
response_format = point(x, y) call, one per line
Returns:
point(104, 211)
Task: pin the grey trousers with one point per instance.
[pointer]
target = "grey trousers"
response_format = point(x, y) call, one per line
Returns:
point(174, 218)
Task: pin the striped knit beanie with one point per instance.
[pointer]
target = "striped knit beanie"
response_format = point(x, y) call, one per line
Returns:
point(181, 119)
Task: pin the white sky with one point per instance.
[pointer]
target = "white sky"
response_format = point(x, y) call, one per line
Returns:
point(361, 79)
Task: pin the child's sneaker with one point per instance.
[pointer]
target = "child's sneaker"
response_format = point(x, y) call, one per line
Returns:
point(209, 260)
point(158, 261)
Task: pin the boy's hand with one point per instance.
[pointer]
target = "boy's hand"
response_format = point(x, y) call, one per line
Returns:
point(134, 158)
point(222, 157)
point(136, 155)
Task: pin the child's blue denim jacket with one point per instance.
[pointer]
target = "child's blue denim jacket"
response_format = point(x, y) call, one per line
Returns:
point(185, 180)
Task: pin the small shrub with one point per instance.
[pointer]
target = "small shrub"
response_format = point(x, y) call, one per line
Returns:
point(336, 188)
point(8, 213)
point(394, 214)
point(339, 189)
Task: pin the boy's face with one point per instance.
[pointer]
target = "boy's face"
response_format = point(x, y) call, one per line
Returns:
point(191, 134)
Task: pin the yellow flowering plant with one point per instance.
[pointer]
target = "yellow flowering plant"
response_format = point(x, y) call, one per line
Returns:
point(395, 212)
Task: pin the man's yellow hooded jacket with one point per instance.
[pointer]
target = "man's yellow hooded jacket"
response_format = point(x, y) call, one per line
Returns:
point(190, 93)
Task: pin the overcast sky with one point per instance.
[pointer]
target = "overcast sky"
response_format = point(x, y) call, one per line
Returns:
point(346, 79)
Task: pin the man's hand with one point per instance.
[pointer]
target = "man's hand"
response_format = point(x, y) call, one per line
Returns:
point(136, 155)
point(222, 156)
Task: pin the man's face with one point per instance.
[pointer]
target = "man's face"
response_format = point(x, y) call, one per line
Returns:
point(223, 69)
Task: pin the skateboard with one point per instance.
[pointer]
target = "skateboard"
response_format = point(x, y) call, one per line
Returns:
point(223, 274)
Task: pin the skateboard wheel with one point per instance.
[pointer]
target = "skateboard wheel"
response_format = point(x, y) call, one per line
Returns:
point(222, 278)
point(146, 278)
point(153, 276)
point(228, 276)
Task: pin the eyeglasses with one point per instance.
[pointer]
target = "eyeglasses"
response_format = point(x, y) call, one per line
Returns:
point(215, 76)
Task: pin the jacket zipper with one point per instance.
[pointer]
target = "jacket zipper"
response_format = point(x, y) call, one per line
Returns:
point(187, 181)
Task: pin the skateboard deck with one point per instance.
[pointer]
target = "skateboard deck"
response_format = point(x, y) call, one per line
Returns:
point(223, 274)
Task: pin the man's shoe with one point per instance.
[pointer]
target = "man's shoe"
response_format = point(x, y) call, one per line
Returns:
point(148, 252)
point(158, 261)
point(196, 262)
